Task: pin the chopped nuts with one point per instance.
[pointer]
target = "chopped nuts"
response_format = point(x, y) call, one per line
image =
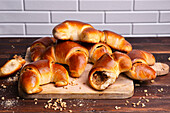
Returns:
point(152, 81)
point(147, 100)
point(168, 58)
point(145, 91)
point(35, 102)
point(116, 107)
point(137, 85)
point(143, 105)
point(70, 111)
point(2, 98)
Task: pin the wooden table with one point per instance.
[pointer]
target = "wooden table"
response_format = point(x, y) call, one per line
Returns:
point(156, 99)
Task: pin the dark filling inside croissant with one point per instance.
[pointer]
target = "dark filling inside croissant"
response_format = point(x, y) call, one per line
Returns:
point(99, 78)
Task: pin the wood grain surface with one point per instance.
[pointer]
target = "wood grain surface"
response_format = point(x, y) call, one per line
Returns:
point(157, 91)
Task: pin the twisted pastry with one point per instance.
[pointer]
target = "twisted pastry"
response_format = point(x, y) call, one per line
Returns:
point(39, 46)
point(141, 69)
point(42, 72)
point(106, 70)
point(79, 31)
point(96, 50)
point(70, 53)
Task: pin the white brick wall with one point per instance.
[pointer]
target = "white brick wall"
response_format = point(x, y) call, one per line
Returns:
point(130, 18)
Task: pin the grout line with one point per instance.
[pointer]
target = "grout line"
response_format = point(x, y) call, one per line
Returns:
point(50, 17)
point(159, 16)
point(78, 5)
point(104, 17)
point(133, 5)
point(23, 5)
point(25, 28)
point(132, 28)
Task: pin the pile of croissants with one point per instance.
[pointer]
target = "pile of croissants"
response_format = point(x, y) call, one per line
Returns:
point(75, 44)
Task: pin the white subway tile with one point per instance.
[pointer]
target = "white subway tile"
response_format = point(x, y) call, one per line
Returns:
point(157, 28)
point(106, 4)
point(140, 36)
point(29, 36)
point(24, 16)
point(51, 4)
point(11, 4)
point(152, 4)
point(97, 17)
point(39, 29)
point(131, 16)
point(123, 29)
point(11, 29)
point(165, 16)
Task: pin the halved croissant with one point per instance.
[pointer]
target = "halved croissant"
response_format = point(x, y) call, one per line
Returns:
point(70, 53)
point(12, 66)
point(141, 69)
point(79, 31)
point(106, 70)
point(39, 46)
point(42, 72)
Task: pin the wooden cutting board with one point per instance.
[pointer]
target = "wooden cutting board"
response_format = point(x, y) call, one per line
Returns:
point(79, 88)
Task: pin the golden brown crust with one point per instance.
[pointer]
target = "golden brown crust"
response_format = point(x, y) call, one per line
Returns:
point(79, 31)
point(124, 60)
point(117, 41)
point(97, 50)
point(142, 72)
point(66, 52)
point(42, 72)
point(104, 64)
point(39, 46)
point(106, 69)
point(141, 56)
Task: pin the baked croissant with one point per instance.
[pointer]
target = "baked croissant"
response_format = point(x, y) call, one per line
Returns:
point(12, 66)
point(106, 70)
point(42, 72)
point(79, 31)
point(141, 69)
point(96, 50)
point(70, 53)
point(39, 46)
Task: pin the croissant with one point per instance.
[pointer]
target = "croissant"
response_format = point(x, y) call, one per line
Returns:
point(70, 53)
point(39, 46)
point(96, 50)
point(42, 72)
point(141, 69)
point(141, 56)
point(12, 66)
point(106, 70)
point(79, 31)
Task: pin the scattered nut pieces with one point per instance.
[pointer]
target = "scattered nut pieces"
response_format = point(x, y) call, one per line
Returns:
point(145, 91)
point(147, 100)
point(2, 98)
point(116, 107)
point(70, 111)
point(152, 81)
point(143, 105)
point(137, 85)
point(168, 58)
point(80, 105)
point(36, 102)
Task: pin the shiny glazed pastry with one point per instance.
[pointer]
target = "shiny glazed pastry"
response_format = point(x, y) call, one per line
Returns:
point(42, 72)
point(107, 69)
point(97, 50)
point(70, 53)
point(141, 69)
point(39, 46)
point(79, 31)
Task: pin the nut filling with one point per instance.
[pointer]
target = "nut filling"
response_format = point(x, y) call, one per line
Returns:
point(99, 78)
point(103, 79)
